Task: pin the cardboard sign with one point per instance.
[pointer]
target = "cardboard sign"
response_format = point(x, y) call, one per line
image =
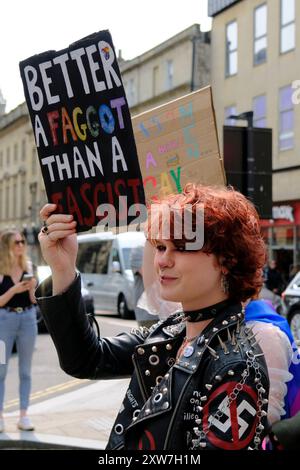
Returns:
point(177, 144)
point(83, 131)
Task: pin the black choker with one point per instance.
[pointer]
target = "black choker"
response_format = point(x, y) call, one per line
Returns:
point(205, 313)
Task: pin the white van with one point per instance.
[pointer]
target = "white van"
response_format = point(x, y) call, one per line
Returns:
point(104, 263)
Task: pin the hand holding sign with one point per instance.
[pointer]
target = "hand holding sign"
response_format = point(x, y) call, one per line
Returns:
point(83, 131)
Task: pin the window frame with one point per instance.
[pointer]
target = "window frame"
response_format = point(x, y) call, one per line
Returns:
point(281, 111)
point(228, 53)
point(284, 26)
point(255, 39)
point(264, 117)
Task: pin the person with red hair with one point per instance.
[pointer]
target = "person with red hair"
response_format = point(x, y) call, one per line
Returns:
point(199, 377)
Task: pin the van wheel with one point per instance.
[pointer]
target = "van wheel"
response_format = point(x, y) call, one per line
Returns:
point(294, 321)
point(123, 310)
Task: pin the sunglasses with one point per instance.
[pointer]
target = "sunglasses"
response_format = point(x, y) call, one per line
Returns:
point(19, 242)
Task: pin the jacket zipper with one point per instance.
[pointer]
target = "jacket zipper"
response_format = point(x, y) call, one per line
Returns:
point(175, 411)
point(139, 379)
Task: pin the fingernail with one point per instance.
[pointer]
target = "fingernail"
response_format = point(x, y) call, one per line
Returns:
point(70, 217)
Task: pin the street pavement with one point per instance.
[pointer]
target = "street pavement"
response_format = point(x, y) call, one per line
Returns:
point(65, 411)
point(80, 418)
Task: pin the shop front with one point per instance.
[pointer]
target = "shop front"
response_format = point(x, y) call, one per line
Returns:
point(282, 237)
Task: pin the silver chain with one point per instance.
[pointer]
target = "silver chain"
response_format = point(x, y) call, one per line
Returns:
point(250, 363)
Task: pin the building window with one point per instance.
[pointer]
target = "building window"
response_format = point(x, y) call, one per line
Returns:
point(231, 48)
point(15, 153)
point(14, 201)
point(287, 25)
point(33, 162)
point(170, 74)
point(23, 198)
point(260, 34)
point(131, 92)
point(230, 110)
point(286, 119)
point(1, 159)
point(7, 202)
point(155, 80)
point(8, 156)
point(23, 156)
point(1, 201)
point(259, 111)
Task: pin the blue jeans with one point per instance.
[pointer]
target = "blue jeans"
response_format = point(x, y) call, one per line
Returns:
point(22, 328)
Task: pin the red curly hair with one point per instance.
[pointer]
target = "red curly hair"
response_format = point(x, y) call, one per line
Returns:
point(231, 233)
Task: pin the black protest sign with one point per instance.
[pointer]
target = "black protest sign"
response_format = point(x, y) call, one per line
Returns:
point(83, 132)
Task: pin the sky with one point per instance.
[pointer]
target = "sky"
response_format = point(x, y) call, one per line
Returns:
point(32, 26)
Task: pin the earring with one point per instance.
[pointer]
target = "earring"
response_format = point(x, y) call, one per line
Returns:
point(224, 284)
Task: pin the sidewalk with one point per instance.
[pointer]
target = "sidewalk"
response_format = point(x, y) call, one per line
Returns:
point(80, 419)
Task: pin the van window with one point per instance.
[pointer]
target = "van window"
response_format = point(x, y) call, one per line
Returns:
point(93, 257)
point(126, 256)
point(115, 255)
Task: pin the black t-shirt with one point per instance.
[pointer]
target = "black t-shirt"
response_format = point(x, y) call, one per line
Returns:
point(18, 300)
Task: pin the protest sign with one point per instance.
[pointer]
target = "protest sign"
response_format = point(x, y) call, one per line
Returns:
point(177, 143)
point(83, 131)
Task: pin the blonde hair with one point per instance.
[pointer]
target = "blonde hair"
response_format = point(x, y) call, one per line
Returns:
point(6, 253)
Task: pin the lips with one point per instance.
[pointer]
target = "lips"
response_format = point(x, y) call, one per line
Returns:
point(167, 279)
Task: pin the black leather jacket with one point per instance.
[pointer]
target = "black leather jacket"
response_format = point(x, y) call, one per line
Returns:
point(213, 397)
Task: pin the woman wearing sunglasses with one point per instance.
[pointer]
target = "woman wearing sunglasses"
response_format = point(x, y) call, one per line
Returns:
point(17, 318)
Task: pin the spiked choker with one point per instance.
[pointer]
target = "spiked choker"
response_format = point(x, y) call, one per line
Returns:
point(205, 313)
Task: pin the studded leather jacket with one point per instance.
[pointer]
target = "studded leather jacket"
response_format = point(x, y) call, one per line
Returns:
point(214, 396)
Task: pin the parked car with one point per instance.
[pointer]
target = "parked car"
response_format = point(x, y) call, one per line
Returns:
point(104, 263)
point(42, 273)
point(291, 306)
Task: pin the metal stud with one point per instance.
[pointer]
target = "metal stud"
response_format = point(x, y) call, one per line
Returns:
point(136, 413)
point(218, 378)
point(198, 421)
point(224, 322)
point(233, 340)
point(230, 372)
point(157, 397)
point(202, 444)
point(264, 413)
point(194, 367)
point(147, 372)
point(223, 345)
point(204, 398)
point(215, 329)
point(167, 376)
point(261, 390)
point(201, 340)
point(208, 386)
point(119, 429)
point(169, 347)
point(265, 401)
point(165, 405)
point(199, 353)
point(199, 408)
point(228, 335)
point(141, 351)
point(165, 390)
point(154, 359)
point(233, 317)
point(154, 348)
point(213, 352)
point(158, 379)
point(197, 432)
point(147, 411)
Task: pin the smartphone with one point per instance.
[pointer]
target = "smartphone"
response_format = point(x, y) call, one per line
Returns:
point(27, 277)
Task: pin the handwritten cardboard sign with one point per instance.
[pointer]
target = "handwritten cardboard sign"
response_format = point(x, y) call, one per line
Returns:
point(83, 130)
point(177, 144)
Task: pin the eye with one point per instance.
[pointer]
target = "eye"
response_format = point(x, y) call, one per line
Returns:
point(160, 247)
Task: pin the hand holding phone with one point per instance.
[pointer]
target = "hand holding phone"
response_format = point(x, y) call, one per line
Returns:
point(27, 277)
